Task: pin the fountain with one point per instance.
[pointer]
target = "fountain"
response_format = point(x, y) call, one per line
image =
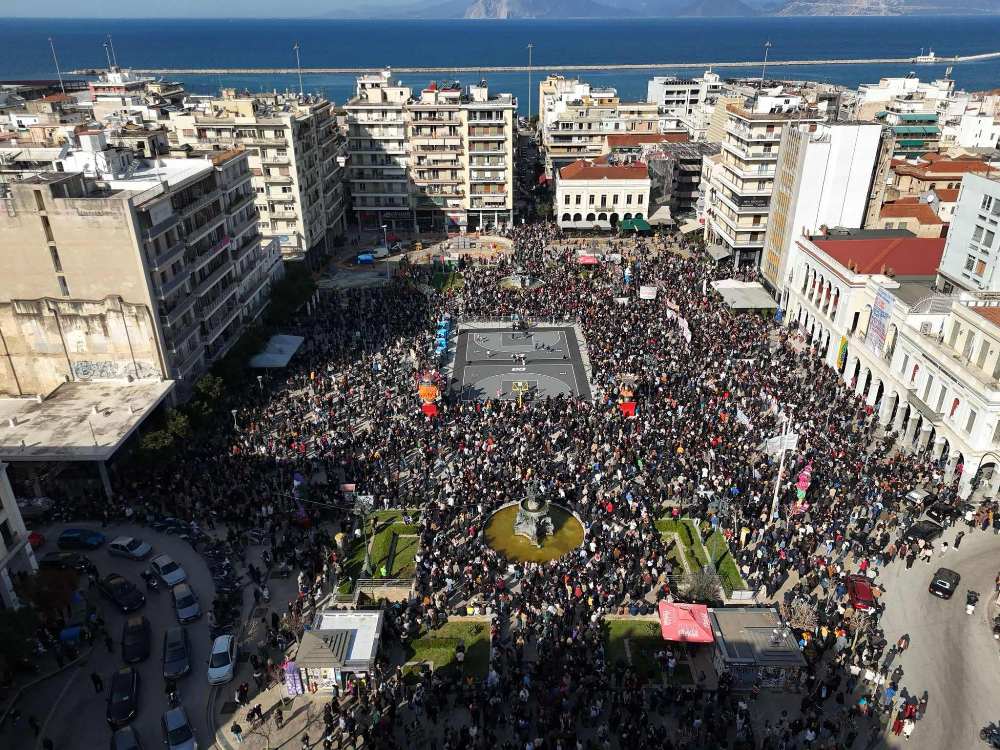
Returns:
point(533, 519)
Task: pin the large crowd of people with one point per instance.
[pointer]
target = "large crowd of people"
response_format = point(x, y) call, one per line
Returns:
point(346, 412)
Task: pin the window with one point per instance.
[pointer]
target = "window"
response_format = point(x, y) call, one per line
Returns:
point(988, 237)
point(987, 202)
point(984, 349)
point(590, 199)
point(977, 233)
point(906, 361)
point(6, 534)
point(954, 408)
point(970, 262)
point(579, 198)
point(941, 395)
point(566, 202)
point(639, 199)
point(628, 199)
point(927, 387)
point(56, 263)
point(63, 286)
point(970, 422)
point(953, 339)
point(980, 267)
point(913, 373)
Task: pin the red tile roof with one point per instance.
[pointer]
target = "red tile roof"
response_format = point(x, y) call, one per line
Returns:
point(624, 140)
point(938, 166)
point(589, 170)
point(57, 98)
point(903, 209)
point(947, 195)
point(905, 256)
point(992, 314)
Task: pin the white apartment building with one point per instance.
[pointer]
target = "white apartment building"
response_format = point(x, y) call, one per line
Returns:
point(159, 264)
point(927, 363)
point(971, 130)
point(440, 161)
point(297, 157)
point(16, 554)
point(970, 255)
point(593, 194)
point(738, 198)
point(823, 178)
point(576, 118)
point(686, 103)
point(905, 94)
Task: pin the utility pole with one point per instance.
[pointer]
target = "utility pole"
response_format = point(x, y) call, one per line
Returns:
point(114, 57)
point(781, 468)
point(107, 51)
point(298, 67)
point(530, 48)
point(55, 59)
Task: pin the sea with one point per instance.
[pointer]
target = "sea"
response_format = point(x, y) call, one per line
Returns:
point(243, 43)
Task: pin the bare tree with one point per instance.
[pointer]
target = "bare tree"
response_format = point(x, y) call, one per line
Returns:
point(702, 585)
point(799, 614)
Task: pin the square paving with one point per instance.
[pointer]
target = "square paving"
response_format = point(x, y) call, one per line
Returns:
point(489, 361)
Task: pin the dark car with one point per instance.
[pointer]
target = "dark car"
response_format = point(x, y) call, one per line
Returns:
point(67, 561)
point(176, 653)
point(123, 700)
point(859, 591)
point(80, 539)
point(125, 738)
point(136, 637)
point(946, 513)
point(122, 592)
point(926, 530)
point(944, 583)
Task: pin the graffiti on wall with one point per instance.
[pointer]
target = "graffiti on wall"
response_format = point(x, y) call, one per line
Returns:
point(109, 369)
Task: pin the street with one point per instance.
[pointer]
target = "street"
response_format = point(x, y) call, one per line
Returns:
point(952, 656)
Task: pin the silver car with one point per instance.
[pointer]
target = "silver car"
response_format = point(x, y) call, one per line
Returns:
point(129, 547)
point(177, 731)
point(185, 603)
point(167, 570)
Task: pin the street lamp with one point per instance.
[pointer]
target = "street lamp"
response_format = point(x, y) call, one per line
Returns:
point(235, 426)
point(260, 382)
point(385, 241)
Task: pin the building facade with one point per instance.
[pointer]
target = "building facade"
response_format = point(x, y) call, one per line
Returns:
point(597, 194)
point(687, 103)
point(440, 161)
point(823, 177)
point(171, 248)
point(16, 554)
point(970, 255)
point(296, 157)
point(738, 199)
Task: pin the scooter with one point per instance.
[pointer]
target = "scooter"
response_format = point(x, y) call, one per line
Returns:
point(265, 593)
point(971, 597)
point(152, 582)
point(996, 628)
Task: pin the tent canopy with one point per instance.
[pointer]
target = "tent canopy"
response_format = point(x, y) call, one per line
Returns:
point(278, 352)
point(744, 295)
point(662, 216)
point(718, 252)
point(634, 225)
point(685, 623)
point(587, 260)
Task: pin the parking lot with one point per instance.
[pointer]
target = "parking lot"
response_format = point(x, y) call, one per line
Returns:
point(77, 718)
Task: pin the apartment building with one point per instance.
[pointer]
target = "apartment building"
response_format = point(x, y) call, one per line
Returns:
point(576, 119)
point(296, 155)
point(931, 172)
point(129, 269)
point(970, 255)
point(16, 554)
point(905, 94)
point(823, 177)
point(738, 198)
point(439, 161)
point(686, 103)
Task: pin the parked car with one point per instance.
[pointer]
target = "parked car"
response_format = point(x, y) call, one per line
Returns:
point(80, 539)
point(365, 259)
point(167, 570)
point(944, 583)
point(859, 592)
point(177, 732)
point(67, 561)
point(186, 604)
point(123, 699)
point(222, 662)
point(36, 539)
point(381, 251)
point(946, 513)
point(926, 530)
point(919, 500)
point(125, 738)
point(129, 547)
point(122, 592)
point(176, 653)
point(136, 637)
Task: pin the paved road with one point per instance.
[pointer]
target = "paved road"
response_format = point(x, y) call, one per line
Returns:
point(78, 719)
point(953, 656)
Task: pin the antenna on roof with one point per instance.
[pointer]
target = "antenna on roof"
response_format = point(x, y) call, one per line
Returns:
point(114, 57)
point(55, 59)
point(298, 66)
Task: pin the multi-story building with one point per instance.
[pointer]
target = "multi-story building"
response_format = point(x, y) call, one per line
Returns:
point(675, 173)
point(297, 157)
point(600, 194)
point(931, 172)
point(687, 103)
point(738, 199)
point(575, 120)
point(970, 254)
point(443, 160)
point(906, 94)
point(149, 269)
point(16, 554)
point(823, 177)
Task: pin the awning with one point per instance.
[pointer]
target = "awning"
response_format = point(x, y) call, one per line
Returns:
point(718, 252)
point(917, 117)
point(587, 260)
point(743, 295)
point(911, 144)
point(916, 130)
point(278, 352)
point(691, 226)
point(662, 217)
point(685, 623)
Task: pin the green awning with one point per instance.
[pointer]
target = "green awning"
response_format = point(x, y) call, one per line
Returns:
point(625, 225)
point(911, 144)
point(917, 117)
point(640, 225)
point(916, 130)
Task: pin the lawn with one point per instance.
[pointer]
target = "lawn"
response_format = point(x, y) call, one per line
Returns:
point(644, 640)
point(384, 526)
point(444, 281)
point(694, 551)
point(438, 647)
point(724, 563)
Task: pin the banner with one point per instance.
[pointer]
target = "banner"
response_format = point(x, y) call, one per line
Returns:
point(293, 679)
point(742, 418)
point(628, 408)
point(842, 353)
point(647, 292)
point(878, 323)
point(430, 410)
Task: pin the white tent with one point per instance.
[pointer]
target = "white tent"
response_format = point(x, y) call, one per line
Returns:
point(277, 353)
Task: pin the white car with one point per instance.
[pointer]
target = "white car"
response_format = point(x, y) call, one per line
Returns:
point(167, 570)
point(222, 662)
point(129, 547)
point(379, 252)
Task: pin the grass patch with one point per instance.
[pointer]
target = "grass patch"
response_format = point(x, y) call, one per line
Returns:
point(644, 640)
point(725, 565)
point(393, 545)
point(445, 281)
point(439, 646)
point(693, 550)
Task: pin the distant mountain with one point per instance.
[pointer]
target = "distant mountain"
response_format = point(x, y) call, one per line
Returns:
point(502, 9)
point(538, 9)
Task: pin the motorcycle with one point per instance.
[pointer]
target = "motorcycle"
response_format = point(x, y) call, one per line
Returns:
point(971, 598)
point(265, 593)
point(152, 582)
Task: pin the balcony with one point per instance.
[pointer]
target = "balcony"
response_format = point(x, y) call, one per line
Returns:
point(204, 229)
point(168, 256)
point(748, 154)
point(237, 229)
point(757, 174)
point(183, 363)
point(237, 203)
point(744, 191)
point(731, 240)
point(275, 160)
point(256, 286)
point(226, 316)
point(248, 244)
point(181, 333)
point(279, 179)
point(174, 283)
point(265, 141)
point(748, 206)
point(198, 202)
point(206, 284)
point(171, 313)
point(158, 229)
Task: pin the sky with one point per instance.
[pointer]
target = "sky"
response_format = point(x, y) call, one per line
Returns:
point(181, 8)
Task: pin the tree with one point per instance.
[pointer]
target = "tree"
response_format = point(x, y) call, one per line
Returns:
point(17, 631)
point(156, 442)
point(799, 614)
point(49, 591)
point(702, 585)
point(210, 388)
point(178, 424)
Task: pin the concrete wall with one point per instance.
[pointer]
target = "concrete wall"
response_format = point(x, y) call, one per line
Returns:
point(46, 342)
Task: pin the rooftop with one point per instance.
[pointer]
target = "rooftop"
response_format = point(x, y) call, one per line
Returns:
point(904, 256)
point(754, 635)
point(340, 638)
point(582, 169)
point(624, 140)
point(65, 427)
point(992, 314)
point(935, 165)
point(910, 210)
